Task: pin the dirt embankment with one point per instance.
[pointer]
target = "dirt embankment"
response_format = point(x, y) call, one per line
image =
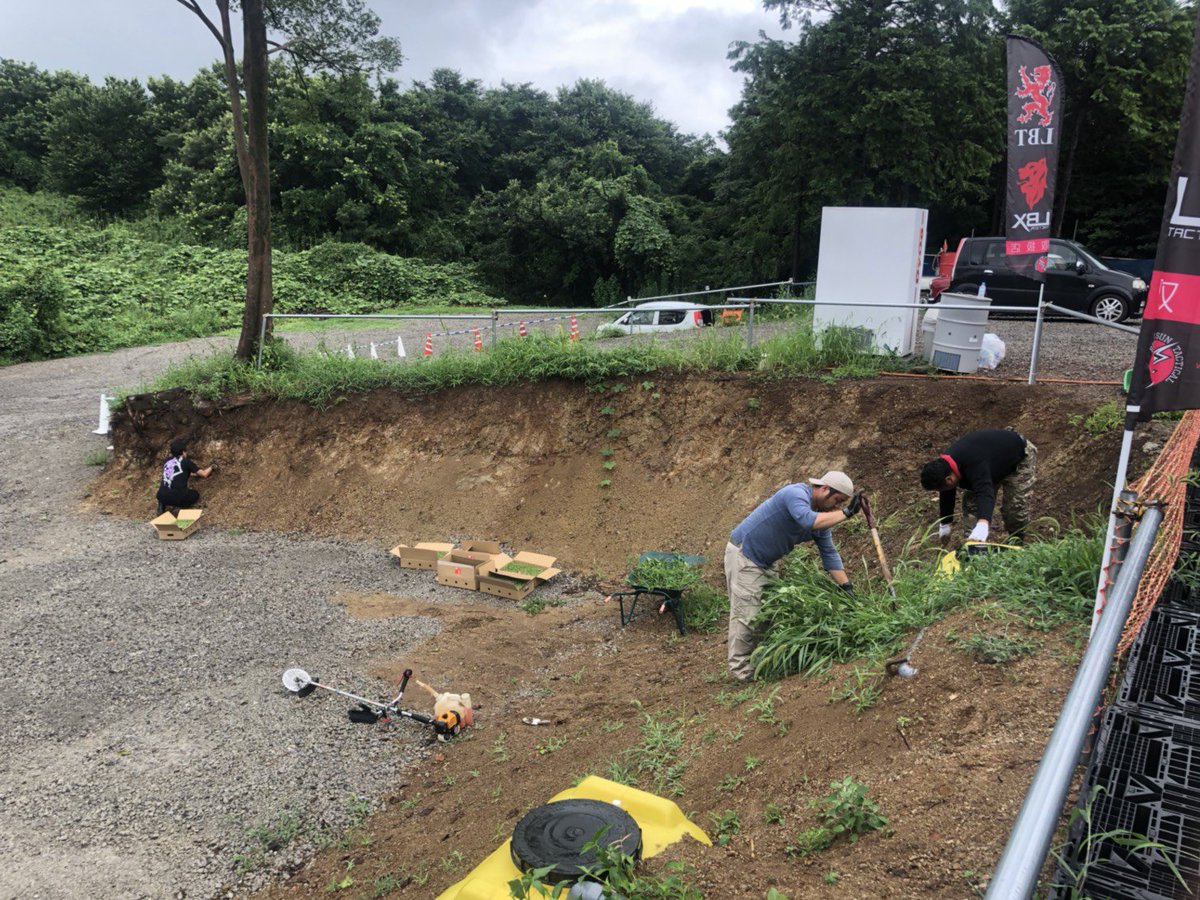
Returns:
point(947, 754)
point(690, 455)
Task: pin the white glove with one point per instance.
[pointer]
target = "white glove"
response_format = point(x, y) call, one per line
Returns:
point(943, 530)
point(979, 532)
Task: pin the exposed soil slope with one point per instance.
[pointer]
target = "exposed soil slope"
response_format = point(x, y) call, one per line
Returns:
point(693, 455)
point(947, 754)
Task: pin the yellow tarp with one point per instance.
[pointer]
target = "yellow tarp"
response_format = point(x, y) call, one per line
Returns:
point(662, 823)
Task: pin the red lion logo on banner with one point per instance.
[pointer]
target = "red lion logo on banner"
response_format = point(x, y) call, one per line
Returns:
point(1032, 176)
point(1039, 91)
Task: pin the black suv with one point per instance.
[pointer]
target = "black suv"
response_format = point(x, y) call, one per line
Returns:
point(1075, 279)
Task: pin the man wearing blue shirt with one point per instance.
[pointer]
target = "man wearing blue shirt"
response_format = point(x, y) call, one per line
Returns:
point(795, 513)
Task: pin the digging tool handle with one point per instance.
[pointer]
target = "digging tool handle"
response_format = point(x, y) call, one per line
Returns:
point(870, 516)
point(883, 564)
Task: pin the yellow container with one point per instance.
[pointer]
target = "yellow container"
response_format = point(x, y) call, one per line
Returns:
point(662, 823)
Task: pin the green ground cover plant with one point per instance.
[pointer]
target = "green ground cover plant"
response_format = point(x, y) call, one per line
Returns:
point(810, 625)
point(69, 286)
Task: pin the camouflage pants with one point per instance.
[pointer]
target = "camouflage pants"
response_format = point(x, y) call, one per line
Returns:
point(1014, 494)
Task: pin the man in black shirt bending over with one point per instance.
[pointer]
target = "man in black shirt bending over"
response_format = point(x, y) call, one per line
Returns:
point(174, 490)
point(979, 463)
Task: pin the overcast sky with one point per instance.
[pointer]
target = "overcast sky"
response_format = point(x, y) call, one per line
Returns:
point(670, 53)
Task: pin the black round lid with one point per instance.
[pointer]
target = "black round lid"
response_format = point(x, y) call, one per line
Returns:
point(555, 834)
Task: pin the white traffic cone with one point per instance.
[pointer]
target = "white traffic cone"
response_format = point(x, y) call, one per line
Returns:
point(400, 346)
point(104, 427)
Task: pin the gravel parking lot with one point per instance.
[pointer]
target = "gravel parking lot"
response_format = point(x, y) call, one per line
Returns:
point(146, 732)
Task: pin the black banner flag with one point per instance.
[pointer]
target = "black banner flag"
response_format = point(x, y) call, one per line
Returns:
point(1035, 101)
point(1166, 373)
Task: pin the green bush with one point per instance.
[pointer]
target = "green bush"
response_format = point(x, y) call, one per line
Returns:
point(120, 288)
point(31, 315)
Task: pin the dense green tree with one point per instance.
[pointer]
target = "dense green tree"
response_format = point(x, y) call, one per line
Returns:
point(25, 92)
point(337, 35)
point(1125, 65)
point(102, 146)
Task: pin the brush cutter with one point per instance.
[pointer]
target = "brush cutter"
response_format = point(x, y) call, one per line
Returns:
point(368, 712)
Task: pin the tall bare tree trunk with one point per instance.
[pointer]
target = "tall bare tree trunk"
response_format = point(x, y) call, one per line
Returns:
point(259, 297)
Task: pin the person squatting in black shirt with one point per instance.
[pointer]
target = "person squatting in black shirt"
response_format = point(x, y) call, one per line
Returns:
point(174, 490)
point(981, 462)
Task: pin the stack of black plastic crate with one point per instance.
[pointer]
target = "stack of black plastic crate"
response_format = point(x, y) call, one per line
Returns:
point(1143, 778)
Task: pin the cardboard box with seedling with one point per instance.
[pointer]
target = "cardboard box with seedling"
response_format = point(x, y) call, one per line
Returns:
point(515, 578)
point(177, 528)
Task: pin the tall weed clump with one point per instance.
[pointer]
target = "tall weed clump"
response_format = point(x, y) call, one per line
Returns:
point(810, 624)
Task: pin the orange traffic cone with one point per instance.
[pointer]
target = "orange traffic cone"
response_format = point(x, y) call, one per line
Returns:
point(478, 340)
point(428, 344)
point(574, 329)
point(522, 331)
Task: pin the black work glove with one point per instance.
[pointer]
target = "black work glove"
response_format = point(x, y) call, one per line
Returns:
point(854, 505)
point(848, 588)
point(213, 465)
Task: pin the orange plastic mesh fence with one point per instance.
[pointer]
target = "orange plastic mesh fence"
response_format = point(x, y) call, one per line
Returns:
point(1166, 482)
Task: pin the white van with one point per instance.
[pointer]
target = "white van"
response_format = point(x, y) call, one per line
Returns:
point(661, 315)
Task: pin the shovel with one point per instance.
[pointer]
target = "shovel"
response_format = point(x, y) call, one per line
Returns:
point(883, 563)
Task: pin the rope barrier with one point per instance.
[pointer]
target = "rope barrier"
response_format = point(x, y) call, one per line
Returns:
point(1166, 482)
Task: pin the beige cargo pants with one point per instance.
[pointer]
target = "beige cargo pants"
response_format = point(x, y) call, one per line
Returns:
point(1016, 495)
point(745, 582)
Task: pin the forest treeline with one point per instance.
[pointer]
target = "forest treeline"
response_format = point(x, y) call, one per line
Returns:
point(586, 195)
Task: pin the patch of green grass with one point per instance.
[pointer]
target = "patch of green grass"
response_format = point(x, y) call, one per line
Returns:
point(993, 649)
point(550, 746)
point(811, 840)
point(267, 838)
point(730, 783)
point(535, 603)
point(810, 624)
point(849, 811)
point(862, 689)
point(725, 826)
point(320, 378)
point(773, 813)
point(704, 609)
point(658, 758)
point(1106, 418)
point(96, 457)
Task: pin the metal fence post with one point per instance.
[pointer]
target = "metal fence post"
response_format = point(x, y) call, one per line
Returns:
point(495, 318)
point(1037, 337)
point(262, 336)
point(1016, 874)
point(750, 327)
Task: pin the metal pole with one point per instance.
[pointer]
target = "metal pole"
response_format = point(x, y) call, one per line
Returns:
point(262, 336)
point(1037, 335)
point(1118, 487)
point(495, 317)
point(1125, 516)
point(750, 327)
point(1017, 872)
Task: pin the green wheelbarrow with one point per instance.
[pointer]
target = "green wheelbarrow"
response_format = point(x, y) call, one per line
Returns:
point(667, 598)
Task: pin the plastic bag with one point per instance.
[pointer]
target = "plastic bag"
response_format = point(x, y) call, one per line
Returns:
point(991, 351)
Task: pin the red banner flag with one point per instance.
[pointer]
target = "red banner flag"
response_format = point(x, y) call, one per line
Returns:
point(1035, 101)
point(1166, 372)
